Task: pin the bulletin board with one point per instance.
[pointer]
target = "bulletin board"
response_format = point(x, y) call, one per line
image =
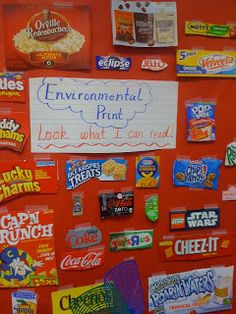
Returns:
point(222, 90)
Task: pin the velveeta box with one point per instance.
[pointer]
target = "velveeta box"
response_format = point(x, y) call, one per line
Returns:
point(206, 63)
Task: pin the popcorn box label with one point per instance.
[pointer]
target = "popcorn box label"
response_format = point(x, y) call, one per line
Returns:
point(197, 291)
point(83, 259)
point(24, 302)
point(131, 240)
point(207, 29)
point(14, 130)
point(200, 121)
point(116, 204)
point(201, 174)
point(18, 177)
point(44, 36)
point(194, 219)
point(147, 172)
point(113, 63)
point(12, 87)
point(206, 63)
point(81, 171)
point(82, 237)
point(189, 247)
point(27, 249)
point(230, 157)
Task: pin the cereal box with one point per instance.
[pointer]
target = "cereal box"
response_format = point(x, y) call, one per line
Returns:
point(208, 29)
point(147, 172)
point(47, 36)
point(190, 292)
point(27, 249)
point(206, 63)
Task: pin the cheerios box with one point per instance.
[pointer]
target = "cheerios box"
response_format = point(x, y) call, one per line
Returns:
point(147, 172)
point(206, 63)
point(47, 36)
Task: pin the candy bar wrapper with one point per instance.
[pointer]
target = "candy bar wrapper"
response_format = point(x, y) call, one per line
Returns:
point(24, 302)
point(201, 174)
point(200, 122)
point(116, 204)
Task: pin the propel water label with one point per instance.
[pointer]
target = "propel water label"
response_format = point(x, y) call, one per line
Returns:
point(113, 63)
point(230, 157)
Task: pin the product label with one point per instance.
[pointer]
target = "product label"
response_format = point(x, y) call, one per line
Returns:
point(131, 240)
point(229, 194)
point(206, 63)
point(113, 63)
point(116, 204)
point(24, 302)
point(194, 219)
point(12, 87)
point(14, 130)
point(188, 247)
point(198, 291)
point(82, 237)
point(153, 65)
point(27, 249)
point(200, 121)
point(83, 259)
point(32, 176)
point(230, 157)
point(202, 174)
point(81, 171)
point(207, 29)
point(147, 172)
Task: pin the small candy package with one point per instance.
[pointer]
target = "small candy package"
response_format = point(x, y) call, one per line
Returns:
point(24, 302)
point(200, 174)
point(116, 204)
point(147, 172)
point(151, 207)
point(200, 121)
point(77, 209)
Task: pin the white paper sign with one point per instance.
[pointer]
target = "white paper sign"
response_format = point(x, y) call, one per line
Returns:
point(70, 115)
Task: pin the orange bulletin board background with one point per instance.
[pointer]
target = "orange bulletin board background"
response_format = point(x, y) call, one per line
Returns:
point(222, 90)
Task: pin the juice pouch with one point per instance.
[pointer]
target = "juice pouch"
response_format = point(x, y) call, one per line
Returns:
point(200, 122)
point(200, 174)
point(24, 302)
point(124, 26)
point(47, 36)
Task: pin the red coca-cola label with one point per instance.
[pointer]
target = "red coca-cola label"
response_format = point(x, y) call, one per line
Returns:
point(47, 26)
point(83, 259)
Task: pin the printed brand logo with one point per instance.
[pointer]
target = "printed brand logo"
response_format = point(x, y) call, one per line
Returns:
point(230, 157)
point(201, 111)
point(83, 237)
point(83, 259)
point(193, 247)
point(195, 219)
point(217, 62)
point(47, 26)
point(129, 240)
point(113, 63)
point(196, 173)
point(12, 87)
point(153, 65)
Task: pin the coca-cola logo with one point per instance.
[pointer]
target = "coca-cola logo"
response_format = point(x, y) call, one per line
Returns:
point(216, 62)
point(83, 259)
point(124, 202)
point(47, 26)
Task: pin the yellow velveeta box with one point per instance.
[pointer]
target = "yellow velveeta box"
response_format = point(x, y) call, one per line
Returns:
point(206, 63)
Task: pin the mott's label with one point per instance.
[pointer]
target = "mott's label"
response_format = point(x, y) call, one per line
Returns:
point(24, 302)
point(131, 240)
point(197, 291)
point(230, 157)
point(14, 130)
point(191, 247)
point(206, 63)
point(12, 87)
point(207, 29)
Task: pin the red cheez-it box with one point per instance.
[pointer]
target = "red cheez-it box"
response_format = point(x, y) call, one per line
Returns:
point(31, 176)
point(47, 36)
point(12, 87)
